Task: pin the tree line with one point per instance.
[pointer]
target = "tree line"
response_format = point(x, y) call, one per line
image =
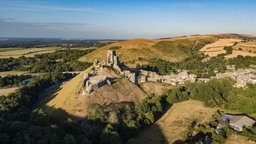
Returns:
point(13, 80)
point(39, 43)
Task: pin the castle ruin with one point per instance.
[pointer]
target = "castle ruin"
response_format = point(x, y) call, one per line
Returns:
point(92, 82)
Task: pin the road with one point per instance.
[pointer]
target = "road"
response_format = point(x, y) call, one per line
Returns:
point(45, 91)
point(194, 45)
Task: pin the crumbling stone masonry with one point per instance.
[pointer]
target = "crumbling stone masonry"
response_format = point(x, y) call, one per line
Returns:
point(92, 82)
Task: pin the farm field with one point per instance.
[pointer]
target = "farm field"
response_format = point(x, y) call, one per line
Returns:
point(6, 91)
point(5, 73)
point(9, 49)
point(235, 53)
point(246, 46)
point(216, 48)
point(29, 52)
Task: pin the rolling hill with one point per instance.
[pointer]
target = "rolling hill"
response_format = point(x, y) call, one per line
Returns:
point(72, 104)
point(170, 49)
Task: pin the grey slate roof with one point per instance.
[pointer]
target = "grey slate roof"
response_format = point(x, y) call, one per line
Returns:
point(242, 121)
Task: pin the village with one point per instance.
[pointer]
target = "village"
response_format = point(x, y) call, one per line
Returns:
point(93, 81)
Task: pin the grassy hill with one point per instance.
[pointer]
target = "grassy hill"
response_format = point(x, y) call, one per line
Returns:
point(173, 49)
point(72, 104)
point(170, 49)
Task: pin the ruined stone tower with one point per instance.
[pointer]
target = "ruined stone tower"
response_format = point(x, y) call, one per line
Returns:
point(112, 59)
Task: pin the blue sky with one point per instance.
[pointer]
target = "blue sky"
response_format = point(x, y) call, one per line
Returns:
point(125, 19)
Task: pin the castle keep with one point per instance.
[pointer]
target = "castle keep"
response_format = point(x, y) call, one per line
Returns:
point(93, 81)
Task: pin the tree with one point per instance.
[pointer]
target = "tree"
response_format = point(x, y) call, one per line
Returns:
point(96, 113)
point(109, 136)
point(69, 139)
point(5, 139)
point(70, 127)
point(50, 139)
point(39, 118)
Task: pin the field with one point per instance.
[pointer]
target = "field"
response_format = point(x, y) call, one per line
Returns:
point(69, 100)
point(6, 91)
point(246, 46)
point(235, 53)
point(8, 49)
point(28, 52)
point(216, 48)
point(5, 73)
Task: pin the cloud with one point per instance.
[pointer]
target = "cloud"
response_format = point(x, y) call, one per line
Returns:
point(26, 6)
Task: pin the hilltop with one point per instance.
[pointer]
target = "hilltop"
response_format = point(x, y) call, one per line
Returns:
point(69, 99)
point(170, 49)
point(129, 51)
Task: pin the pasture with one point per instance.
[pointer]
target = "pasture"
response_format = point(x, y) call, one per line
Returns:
point(246, 46)
point(216, 48)
point(28, 52)
point(235, 53)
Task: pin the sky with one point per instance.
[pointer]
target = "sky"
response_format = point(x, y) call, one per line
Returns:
point(125, 19)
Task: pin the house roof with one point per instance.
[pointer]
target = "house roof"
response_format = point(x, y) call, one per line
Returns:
point(225, 117)
point(242, 121)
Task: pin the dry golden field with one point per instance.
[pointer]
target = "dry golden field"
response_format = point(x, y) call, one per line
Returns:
point(6, 91)
point(216, 48)
point(246, 46)
point(28, 52)
point(235, 53)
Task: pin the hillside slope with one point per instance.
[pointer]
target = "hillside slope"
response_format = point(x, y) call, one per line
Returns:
point(174, 49)
point(73, 104)
point(170, 49)
point(172, 126)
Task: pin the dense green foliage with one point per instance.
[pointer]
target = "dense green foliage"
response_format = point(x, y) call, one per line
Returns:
point(228, 49)
point(12, 80)
point(60, 61)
